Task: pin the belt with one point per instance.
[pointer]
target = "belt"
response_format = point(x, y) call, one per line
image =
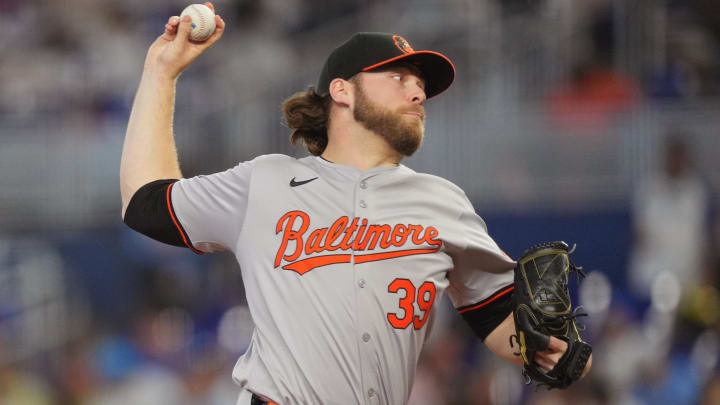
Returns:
point(256, 400)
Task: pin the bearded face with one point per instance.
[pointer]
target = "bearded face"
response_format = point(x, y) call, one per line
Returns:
point(403, 132)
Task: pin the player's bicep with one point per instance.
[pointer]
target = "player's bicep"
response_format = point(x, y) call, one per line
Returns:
point(203, 213)
point(211, 209)
point(150, 213)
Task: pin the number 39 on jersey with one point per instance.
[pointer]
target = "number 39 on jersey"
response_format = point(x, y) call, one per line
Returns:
point(423, 296)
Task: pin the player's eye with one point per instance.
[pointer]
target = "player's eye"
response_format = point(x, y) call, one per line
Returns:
point(397, 76)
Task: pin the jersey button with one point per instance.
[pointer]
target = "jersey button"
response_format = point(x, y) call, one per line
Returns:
point(366, 337)
point(361, 283)
point(371, 392)
point(363, 184)
point(363, 204)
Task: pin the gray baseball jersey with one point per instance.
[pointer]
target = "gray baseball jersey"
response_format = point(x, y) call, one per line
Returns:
point(343, 270)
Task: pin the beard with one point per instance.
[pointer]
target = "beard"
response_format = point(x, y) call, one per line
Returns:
point(403, 136)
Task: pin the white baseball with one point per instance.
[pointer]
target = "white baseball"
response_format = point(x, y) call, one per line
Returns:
point(203, 21)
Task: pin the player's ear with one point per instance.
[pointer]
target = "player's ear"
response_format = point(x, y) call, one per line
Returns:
point(341, 91)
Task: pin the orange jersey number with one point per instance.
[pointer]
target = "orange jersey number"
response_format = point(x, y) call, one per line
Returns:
point(425, 298)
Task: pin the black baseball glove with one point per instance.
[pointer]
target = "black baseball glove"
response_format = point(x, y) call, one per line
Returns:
point(542, 308)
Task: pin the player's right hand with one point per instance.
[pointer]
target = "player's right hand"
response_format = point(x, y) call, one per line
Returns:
point(173, 51)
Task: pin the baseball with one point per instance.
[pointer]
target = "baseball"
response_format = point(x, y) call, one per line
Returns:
point(203, 21)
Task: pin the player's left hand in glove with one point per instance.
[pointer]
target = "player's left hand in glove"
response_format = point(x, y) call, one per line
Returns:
point(542, 308)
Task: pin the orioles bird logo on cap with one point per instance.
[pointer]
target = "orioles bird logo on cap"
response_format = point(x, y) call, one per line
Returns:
point(402, 44)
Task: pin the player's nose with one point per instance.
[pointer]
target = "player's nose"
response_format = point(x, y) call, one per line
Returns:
point(415, 88)
point(417, 94)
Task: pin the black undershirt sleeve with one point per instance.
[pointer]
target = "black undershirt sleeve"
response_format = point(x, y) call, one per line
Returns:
point(486, 315)
point(150, 213)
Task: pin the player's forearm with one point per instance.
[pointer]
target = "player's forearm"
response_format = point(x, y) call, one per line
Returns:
point(498, 341)
point(149, 151)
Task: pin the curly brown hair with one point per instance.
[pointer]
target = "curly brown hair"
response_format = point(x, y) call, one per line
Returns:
point(306, 114)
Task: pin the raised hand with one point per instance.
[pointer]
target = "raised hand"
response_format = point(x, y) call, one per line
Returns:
point(173, 51)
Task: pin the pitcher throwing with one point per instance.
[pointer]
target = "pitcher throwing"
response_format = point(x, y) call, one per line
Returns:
point(345, 254)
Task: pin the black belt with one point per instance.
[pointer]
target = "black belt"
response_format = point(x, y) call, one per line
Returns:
point(256, 400)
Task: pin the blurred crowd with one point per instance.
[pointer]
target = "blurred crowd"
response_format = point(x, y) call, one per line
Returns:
point(80, 56)
point(103, 316)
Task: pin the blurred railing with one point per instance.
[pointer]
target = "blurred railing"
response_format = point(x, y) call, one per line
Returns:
point(513, 158)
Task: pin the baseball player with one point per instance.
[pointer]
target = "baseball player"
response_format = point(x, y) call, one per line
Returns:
point(345, 254)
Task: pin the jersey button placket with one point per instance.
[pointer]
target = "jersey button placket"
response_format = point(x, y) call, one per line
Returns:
point(367, 347)
point(363, 186)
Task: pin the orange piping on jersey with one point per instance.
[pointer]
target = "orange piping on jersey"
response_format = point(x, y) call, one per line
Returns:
point(482, 304)
point(177, 224)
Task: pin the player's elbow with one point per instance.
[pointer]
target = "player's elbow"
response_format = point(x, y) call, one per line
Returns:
point(124, 208)
point(126, 196)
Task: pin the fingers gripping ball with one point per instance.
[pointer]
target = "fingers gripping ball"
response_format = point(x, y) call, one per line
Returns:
point(543, 308)
point(203, 21)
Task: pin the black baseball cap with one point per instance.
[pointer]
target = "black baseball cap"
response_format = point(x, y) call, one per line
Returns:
point(366, 51)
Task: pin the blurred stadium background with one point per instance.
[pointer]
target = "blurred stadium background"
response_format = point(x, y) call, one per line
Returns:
point(556, 128)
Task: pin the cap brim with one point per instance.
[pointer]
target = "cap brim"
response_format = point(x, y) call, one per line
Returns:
point(438, 70)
